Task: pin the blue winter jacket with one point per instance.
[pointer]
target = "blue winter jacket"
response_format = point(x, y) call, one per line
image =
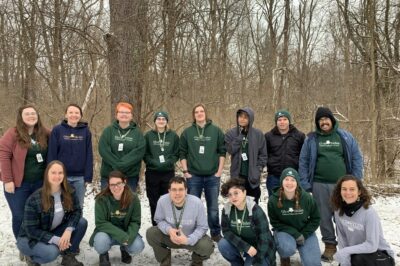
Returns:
point(309, 154)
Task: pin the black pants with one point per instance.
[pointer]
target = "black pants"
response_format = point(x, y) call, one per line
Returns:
point(379, 258)
point(253, 192)
point(156, 186)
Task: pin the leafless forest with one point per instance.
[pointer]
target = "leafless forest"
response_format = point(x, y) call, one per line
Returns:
point(171, 54)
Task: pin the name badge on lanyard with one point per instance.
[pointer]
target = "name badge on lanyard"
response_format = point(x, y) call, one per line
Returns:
point(201, 149)
point(39, 157)
point(121, 147)
point(162, 159)
point(244, 156)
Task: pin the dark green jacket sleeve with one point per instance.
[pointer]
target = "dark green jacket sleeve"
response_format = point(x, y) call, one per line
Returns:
point(221, 143)
point(134, 156)
point(314, 218)
point(265, 242)
point(174, 156)
point(183, 146)
point(105, 148)
point(134, 219)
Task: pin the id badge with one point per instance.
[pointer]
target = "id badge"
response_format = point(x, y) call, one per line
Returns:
point(201, 149)
point(121, 147)
point(162, 159)
point(39, 158)
point(244, 156)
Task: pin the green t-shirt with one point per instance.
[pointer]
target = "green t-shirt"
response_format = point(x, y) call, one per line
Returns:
point(241, 226)
point(330, 162)
point(35, 163)
point(244, 164)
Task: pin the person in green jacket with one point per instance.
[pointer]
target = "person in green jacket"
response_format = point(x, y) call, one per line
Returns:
point(202, 152)
point(117, 219)
point(122, 147)
point(162, 152)
point(294, 216)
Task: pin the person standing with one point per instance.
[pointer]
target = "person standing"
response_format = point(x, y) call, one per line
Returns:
point(328, 154)
point(122, 146)
point(23, 153)
point(202, 153)
point(247, 239)
point(181, 224)
point(360, 235)
point(162, 152)
point(71, 143)
point(284, 142)
point(117, 219)
point(294, 217)
point(246, 145)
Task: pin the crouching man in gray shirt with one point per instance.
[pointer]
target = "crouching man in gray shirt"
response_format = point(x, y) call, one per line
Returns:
point(181, 223)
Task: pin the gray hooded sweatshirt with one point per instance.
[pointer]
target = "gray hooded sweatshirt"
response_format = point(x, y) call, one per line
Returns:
point(257, 149)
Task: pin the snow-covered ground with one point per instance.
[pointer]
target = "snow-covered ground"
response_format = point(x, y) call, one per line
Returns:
point(387, 207)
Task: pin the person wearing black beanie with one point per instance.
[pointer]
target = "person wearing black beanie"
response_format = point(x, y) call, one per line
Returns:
point(327, 154)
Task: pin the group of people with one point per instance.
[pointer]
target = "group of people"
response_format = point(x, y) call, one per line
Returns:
point(311, 182)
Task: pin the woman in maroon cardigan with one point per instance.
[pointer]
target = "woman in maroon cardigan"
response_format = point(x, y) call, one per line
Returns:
point(23, 151)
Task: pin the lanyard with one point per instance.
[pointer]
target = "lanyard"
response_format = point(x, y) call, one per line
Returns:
point(161, 141)
point(244, 142)
point(123, 136)
point(178, 222)
point(202, 131)
point(239, 223)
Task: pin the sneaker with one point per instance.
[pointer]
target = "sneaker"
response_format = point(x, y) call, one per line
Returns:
point(70, 260)
point(30, 262)
point(167, 260)
point(285, 261)
point(125, 257)
point(22, 257)
point(216, 238)
point(104, 260)
point(330, 250)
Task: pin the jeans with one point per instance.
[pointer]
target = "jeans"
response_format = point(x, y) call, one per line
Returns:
point(43, 252)
point(232, 254)
point(310, 253)
point(322, 194)
point(103, 242)
point(210, 184)
point(132, 182)
point(78, 183)
point(16, 202)
point(273, 182)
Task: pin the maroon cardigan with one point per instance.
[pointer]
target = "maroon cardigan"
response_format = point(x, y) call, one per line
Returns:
point(12, 158)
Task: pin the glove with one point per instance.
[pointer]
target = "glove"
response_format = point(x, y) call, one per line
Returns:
point(300, 240)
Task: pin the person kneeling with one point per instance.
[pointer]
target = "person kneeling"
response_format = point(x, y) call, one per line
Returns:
point(117, 219)
point(181, 223)
point(52, 223)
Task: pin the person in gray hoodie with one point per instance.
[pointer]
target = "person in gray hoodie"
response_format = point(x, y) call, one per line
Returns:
point(248, 151)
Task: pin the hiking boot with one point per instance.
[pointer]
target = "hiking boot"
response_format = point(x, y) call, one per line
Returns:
point(125, 257)
point(70, 260)
point(30, 262)
point(330, 250)
point(104, 260)
point(22, 257)
point(197, 260)
point(285, 261)
point(167, 260)
point(216, 238)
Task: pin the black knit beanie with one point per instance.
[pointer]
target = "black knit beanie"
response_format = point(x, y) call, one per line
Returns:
point(324, 112)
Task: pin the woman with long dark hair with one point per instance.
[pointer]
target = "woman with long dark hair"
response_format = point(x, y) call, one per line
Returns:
point(53, 222)
point(358, 227)
point(117, 219)
point(23, 152)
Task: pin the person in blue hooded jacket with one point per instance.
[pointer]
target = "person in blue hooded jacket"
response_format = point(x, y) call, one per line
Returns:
point(248, 151)
point(327, 154)
point(71, 143)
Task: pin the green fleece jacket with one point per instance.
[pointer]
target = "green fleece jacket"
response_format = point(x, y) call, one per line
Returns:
point(202, 148)
point(120, 224)
point(157, 146)
point(128, 160)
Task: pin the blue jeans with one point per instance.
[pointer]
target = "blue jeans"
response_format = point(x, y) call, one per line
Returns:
point(310, 253)
point(273, 182)
point(78, 183)
point(210, 184)
point(43, 252)
point(132, 182)
point(16, 202)
point(232, 254)
point(103, 242)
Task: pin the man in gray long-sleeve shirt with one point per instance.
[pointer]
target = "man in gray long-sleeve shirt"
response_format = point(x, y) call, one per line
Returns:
point(181, 223)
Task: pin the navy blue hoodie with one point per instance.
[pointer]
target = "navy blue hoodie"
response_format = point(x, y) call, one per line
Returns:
point(73, 147)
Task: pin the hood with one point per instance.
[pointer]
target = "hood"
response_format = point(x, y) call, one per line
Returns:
point(249, 112)
point(324, 112)
point(79, 125)
point(249, 205)
point(132, 125)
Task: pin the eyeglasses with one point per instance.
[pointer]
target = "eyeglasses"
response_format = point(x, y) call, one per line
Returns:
point(119, 184)
point(124, 112)
point(233, 194)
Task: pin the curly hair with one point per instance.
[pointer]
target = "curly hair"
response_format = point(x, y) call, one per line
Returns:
point(337, 200)
point(233, 182)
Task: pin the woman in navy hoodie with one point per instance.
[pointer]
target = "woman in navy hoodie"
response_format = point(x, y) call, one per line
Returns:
point(71, 143)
